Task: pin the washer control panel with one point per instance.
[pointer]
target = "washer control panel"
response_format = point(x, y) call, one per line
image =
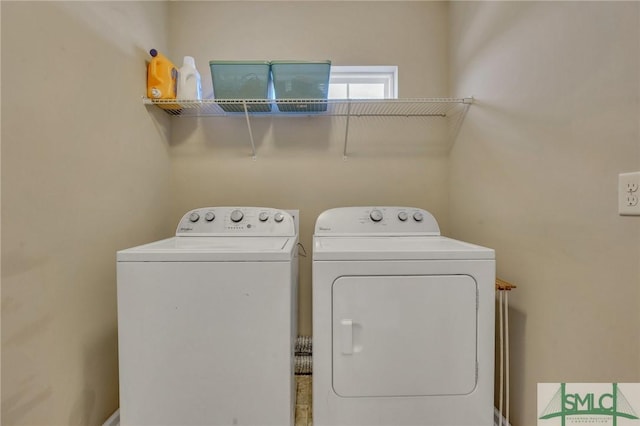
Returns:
point(228, 221)
point(376, 221)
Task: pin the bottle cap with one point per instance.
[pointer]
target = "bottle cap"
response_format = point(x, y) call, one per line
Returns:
point(188, 60)
point(153, 52)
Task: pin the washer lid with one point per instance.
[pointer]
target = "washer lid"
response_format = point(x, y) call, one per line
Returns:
point(396, 248)
point(212, 249)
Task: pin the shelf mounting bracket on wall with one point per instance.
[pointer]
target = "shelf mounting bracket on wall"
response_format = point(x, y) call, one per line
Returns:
point(346, 132)
point(246, 114)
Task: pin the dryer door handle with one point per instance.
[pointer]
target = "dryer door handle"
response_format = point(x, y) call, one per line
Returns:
point(346, 336)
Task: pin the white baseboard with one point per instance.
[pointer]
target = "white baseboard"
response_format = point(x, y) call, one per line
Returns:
point(114, 420)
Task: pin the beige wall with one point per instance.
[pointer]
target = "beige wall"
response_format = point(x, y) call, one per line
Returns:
point(299, 161)
point(534, 175)
point(85, 172)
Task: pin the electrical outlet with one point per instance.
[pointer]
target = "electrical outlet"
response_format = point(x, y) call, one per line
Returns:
point(629, 194)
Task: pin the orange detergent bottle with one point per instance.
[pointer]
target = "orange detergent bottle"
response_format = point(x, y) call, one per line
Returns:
point(162, 77)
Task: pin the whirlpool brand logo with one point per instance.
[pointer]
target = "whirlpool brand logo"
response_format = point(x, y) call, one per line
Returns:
point(561, 404)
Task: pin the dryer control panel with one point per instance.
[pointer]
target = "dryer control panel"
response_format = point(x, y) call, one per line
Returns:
point(374, 220)
point(241, 221)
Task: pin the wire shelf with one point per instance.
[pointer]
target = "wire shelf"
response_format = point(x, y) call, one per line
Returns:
point(418, 107)
point(452, 109)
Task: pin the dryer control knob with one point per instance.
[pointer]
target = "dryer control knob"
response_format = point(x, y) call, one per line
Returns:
point(210, 216)
point(194, 217)
point(263, 216)
point(417, 216)
point(236, 216)
point(278, 217)
point(376, 215)
point(403, 216)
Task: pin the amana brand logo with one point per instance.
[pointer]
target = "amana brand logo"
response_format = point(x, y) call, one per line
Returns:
point(561, 404)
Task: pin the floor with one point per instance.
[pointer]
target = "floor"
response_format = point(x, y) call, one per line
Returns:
point(303, 400)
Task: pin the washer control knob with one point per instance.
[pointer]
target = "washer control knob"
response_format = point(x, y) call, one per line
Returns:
point(209, 216)
point(278, 217)
point(403, 216)
point(263, 216)
point(194, 217)
point(236, 216)
point(418, 216)
point(376, 215)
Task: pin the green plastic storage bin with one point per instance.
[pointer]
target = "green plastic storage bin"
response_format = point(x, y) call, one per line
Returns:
point(241, 80)
point(302, 80)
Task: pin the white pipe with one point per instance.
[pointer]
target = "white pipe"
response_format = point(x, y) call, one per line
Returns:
point(506, 349)
point(501, 328)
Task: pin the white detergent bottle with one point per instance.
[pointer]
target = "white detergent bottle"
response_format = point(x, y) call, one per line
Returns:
point(189, 83)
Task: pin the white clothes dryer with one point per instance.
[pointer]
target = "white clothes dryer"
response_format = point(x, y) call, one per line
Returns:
point(207, 321)
point(403, 322)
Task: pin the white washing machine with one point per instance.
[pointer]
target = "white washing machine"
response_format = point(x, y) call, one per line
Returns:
point(207, 321)
point(403, 322)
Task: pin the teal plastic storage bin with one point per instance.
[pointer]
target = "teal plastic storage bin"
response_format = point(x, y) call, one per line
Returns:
point(241, 80)
point(301, 80)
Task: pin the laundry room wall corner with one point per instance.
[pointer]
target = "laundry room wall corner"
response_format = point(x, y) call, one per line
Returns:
point(534, 175)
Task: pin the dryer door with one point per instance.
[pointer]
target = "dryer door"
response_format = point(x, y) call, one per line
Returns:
point(404, 335)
